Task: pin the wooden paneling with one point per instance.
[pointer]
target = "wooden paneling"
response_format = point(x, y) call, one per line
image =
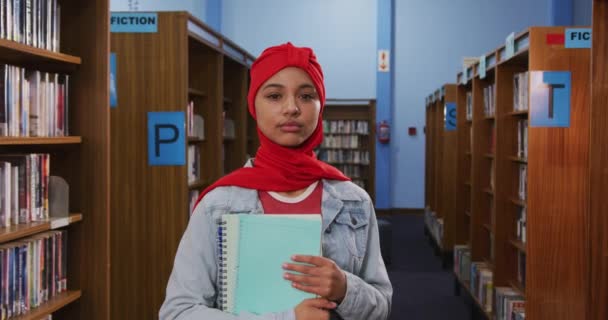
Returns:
point(598, 309)
point(479, 168)
point(147, 220)
point(235, 89)
point(558, 193)
point(463, 221)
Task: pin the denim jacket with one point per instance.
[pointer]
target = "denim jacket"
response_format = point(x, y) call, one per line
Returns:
point(350, 238)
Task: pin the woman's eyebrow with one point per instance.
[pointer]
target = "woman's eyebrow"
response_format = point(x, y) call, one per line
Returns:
point(307, 86)
point(275, 85)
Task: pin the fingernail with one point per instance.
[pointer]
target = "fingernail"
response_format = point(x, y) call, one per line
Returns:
point(286, 276)
point(284, 265)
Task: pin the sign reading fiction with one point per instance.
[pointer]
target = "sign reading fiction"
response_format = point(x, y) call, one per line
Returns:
point(133, 22)
point(166, 139)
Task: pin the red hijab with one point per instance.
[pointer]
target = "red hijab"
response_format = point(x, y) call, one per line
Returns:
point(278, 168)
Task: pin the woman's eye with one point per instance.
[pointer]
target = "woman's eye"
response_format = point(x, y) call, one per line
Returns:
point(274, 96)
point(307, 97)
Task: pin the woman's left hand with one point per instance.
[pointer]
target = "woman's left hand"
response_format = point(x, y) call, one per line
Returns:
point(319, 275)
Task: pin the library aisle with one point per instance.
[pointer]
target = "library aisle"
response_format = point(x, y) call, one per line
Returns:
point(422, 289)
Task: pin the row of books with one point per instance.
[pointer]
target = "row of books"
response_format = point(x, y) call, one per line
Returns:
point(229, 129)
point(350, 170)
point(194, 163)
point(489, 100)
point(434, 225)
point(522, 139)
point(462, 262)
point(481, 280)
point(344, 156)
point(32, 22)
point(343, 142)
point(195, 123)
point(523, 182)
point(521, 224)
point(510, 305)
point(24, 188)
point(346, 126)
point(521, 98)
point(32, 271)
point(33, 103)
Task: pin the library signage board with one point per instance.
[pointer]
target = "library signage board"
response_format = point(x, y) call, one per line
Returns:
point(450, 116)
point(166, 138)
point(510, 45)
point(134, 22)
point(550, 93)
point(482, 67)
point(578, 38)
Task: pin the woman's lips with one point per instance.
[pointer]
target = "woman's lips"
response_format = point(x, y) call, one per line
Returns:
point(291, 126)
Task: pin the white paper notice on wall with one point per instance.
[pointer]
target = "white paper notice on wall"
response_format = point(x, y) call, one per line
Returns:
point(384, 61)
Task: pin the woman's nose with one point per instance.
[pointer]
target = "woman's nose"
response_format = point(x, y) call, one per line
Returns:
point(291, 106)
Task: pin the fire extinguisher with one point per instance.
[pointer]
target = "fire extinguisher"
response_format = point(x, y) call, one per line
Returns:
point(384, 132)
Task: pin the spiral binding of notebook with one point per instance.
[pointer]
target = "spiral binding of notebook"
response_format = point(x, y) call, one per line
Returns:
point(227, 256)
point(222, 254)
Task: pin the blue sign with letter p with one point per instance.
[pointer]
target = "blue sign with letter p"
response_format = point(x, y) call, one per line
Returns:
point(166, 138)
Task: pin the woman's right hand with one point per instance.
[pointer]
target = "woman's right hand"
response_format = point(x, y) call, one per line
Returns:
point(314, 309)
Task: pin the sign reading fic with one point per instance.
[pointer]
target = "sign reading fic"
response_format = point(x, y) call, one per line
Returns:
point(166, 139)
point(383, 61)
point(133, 22)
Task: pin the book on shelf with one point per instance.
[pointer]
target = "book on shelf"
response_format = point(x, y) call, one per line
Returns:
point(520, 91)
point(359, 127)
point(196, 123)
point(194, 163)
point(523, 182)
point(350, 141)
point(514, 307)
point(521, 224)
point(32, 271)
point(32, 22)
point(489, 100)
point(229, 130)
point(24, 192)
point(344, 156)
point(522, 139)
point(462, 262)
point(505, 296)
point(482, 284)
point(33, 103)
point(519, 315)
point(469, 105)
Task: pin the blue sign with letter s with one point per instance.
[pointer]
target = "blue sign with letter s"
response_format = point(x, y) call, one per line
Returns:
point(450, 116)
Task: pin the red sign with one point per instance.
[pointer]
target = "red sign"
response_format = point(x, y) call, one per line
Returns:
point(556, 38)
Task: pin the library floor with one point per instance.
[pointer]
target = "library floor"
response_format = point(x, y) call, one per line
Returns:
point(422, 290)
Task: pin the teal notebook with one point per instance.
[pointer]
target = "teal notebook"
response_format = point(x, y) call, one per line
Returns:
point(252, 251)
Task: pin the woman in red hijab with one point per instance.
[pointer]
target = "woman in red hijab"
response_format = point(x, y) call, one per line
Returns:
point(286, 98)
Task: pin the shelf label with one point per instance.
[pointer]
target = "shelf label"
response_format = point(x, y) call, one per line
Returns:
point(550, 98)
point(134, 22)
point(510, 45)
point(482, 67)
point(384, 61)
point(166, 138)
point(113, 94)
point(57, 223)
point(579, 38)
point(449, 114)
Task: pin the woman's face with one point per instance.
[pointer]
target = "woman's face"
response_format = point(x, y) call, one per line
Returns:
point(287, 107)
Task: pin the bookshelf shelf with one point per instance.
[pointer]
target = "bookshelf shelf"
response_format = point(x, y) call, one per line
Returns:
point(22, 141)
point(523, 113)
point(197, 185)
point(20, 54)
point(490, 117)
point(227, 100)
point(197, 93)
point(23, 230)
point(518, 245)
point(468, 153)
point(519, 160)
point(487, 227)
point(195, 140)
point(490, 264)
point(489, 155)
point(488, 191)
point(54, 304)
point(517, 287)
point(467, 213)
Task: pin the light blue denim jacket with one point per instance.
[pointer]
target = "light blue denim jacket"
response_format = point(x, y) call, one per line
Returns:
point(350, 238)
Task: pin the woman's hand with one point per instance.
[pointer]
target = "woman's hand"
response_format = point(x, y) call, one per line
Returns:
point(319, 275)
point(314, 309)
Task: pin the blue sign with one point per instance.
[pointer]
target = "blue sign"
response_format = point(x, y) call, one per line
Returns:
point(578, 38)
point(113, 94)
point(550, 93)
point(482, 67)
point(450, 116)
point(135, 22)
point(166, 138)
point(510, 45)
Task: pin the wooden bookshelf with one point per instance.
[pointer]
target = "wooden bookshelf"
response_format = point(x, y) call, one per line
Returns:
point(198, 65)
point(84, 56)
point(353, 110)
point(558, 180)
point(598, 220)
